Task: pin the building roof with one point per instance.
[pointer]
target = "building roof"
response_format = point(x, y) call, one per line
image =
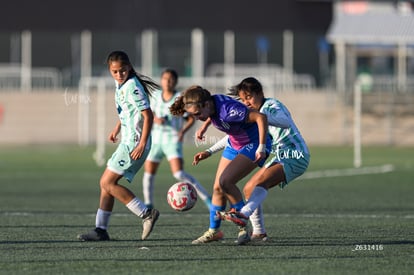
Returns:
point(373, 28)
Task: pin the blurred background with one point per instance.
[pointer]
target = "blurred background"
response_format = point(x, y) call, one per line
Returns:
point(345, 69)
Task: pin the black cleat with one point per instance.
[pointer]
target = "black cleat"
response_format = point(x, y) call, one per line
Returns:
point(95, 235)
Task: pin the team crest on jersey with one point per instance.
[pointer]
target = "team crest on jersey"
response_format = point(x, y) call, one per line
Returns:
point(236, 113)
point(136, 91)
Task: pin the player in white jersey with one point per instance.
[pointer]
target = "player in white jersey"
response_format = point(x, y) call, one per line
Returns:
point(290, 155)
point(135, 122)
point(167, 139)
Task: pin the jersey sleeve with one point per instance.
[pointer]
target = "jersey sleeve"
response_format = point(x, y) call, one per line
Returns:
point(138, 97)
point(275, 115)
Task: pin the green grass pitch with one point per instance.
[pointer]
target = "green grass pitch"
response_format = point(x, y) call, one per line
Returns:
point(355, 224)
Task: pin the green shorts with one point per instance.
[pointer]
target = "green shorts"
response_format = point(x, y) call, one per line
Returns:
point(292, 166)
point(169, 150)
point(122, 164)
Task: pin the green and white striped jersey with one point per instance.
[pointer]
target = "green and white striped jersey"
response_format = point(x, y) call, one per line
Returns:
point(167, 132)
point(130, 101)
point(282, 128)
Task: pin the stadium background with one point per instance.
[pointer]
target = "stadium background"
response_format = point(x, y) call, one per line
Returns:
point(335, 219)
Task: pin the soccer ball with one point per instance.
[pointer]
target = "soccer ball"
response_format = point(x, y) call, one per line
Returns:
point(182, 196)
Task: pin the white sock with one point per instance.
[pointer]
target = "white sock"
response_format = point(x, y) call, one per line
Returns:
point(201, 191)
point(102, 219)
point(137, 207)
point(148, 187)
point(256, 198)
point(257, 221)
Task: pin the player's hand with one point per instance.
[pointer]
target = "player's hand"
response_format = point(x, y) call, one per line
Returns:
point(113, 136)
point(180, 136)
point(200, 133)
point(159, 120)
point(260, 153)
point(137, 152)
point(259, 156)
point(200, 156)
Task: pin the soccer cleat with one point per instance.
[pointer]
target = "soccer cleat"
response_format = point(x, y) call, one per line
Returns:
point(234, 216)
point(243, 237)
point(148, 222)
point(97, 234)
point(259, 238)
point(210, 235)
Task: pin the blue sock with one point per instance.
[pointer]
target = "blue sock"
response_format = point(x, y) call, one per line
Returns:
point(214, 221)
point(238, 206)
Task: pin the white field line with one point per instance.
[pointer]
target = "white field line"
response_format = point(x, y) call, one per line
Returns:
point(189, 215)
point(386, 168)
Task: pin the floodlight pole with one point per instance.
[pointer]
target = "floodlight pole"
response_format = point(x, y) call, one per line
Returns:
point(357, 124)
point(26, 62)
point(197, 53)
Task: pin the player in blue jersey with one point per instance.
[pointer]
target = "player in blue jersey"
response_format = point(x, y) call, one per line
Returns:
point(167, 139)
point(135, 122)
point(247, 148)
point(290, 155)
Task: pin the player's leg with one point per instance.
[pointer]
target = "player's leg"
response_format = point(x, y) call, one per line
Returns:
point(176, 165)
point(218, 203)
point(120, 165)
point(148, 180)
point(237, 169)
point(150, 169)
point(255, 192)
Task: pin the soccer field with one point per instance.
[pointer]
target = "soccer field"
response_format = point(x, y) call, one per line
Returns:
point(334, 220)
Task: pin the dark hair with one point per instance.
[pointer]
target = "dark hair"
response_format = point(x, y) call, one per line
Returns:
point(120, 56)
point(250, 84)
point(193, 95)
point(171, 72)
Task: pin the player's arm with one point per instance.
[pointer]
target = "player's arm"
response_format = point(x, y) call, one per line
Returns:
point(203, 129)
point(113, 135)
point(220, 145)
point(189, 122)
point(277, 118)
point(262, 125)
point(148, 118)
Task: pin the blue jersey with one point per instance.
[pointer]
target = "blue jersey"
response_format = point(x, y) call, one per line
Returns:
point(230, 117)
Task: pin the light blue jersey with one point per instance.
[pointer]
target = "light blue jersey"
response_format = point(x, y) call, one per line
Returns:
point(130, 101)
point(288, 147)
point(282, 128)
point(169, 131)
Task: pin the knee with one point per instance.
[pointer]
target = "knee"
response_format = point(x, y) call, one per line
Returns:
point(217, 190)
point(224, 184)
point(105, 184)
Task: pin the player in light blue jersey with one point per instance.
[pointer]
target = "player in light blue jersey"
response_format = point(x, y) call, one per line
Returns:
point(290, 155)
point(167, 139)
point(135, 122)
point(248, 147)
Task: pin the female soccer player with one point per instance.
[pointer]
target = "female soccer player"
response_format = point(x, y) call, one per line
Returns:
point(290, 160)
point(167, 137)
point(135, 122)
point(247, 148)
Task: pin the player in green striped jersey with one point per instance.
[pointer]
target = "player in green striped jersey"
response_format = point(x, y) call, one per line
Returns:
point(167, 139)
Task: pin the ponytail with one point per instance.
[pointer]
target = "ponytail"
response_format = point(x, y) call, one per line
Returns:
point(177, 108)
